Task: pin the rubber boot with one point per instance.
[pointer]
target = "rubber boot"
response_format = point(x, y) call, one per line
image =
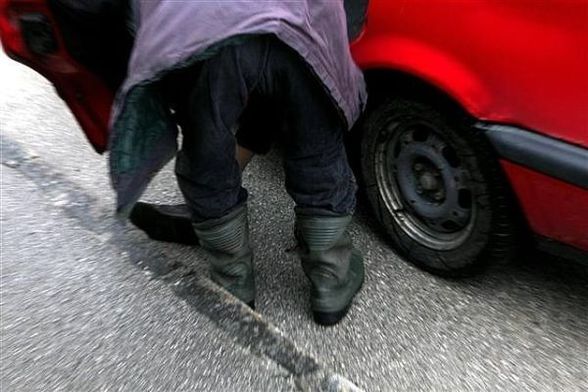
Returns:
point(334, 268)
point(227, 241)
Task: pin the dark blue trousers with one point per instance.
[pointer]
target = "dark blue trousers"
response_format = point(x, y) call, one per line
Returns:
point(211, 98)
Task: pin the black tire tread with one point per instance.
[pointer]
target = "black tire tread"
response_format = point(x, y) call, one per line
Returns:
point(498, 243)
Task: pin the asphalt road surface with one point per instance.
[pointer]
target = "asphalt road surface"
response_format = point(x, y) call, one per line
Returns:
point(89, 303)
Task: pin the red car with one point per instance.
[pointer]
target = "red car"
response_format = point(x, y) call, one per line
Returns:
point(476, 132)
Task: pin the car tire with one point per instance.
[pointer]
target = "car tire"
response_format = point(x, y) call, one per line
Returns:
point(436, 186)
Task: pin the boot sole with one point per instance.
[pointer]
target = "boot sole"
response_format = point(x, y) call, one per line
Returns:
point(328, 319)
point(163, 227)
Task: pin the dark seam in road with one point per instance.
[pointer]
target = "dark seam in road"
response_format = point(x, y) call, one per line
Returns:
point(246, 327)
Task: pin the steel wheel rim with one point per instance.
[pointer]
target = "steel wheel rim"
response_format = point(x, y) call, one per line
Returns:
point(424, 185)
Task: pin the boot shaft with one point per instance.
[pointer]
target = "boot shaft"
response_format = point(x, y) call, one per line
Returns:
point(227, 241)
point(325, 248)
point(228, 234)
point(334, 268)
point(319, 233)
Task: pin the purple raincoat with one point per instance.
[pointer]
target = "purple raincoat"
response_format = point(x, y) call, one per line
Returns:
point(172, 34)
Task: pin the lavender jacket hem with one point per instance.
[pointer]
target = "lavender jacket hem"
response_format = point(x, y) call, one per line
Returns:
point(172, 34)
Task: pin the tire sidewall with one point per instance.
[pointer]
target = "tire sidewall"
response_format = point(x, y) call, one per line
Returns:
point(477, 159)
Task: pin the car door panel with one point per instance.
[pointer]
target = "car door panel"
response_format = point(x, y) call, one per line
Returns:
point(31, 35)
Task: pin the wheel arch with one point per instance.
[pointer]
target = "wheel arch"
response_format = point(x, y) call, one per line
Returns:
point(385, 83)
point(439, 72)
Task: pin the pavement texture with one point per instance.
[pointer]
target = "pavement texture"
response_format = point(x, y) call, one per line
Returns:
point(89, 303)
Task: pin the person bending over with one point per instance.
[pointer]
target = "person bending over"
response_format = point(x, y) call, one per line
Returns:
point(201, 65)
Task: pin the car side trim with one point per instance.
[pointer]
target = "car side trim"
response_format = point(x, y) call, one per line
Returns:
point(560, 249)
point(556, 158)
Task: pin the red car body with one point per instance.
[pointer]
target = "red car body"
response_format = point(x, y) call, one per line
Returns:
point(519, 67)
point(517, 62)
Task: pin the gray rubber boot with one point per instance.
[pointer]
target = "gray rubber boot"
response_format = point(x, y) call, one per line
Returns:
point(227, 241)
point(334, 268)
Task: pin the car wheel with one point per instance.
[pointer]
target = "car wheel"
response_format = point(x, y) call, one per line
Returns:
point(437, 188)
